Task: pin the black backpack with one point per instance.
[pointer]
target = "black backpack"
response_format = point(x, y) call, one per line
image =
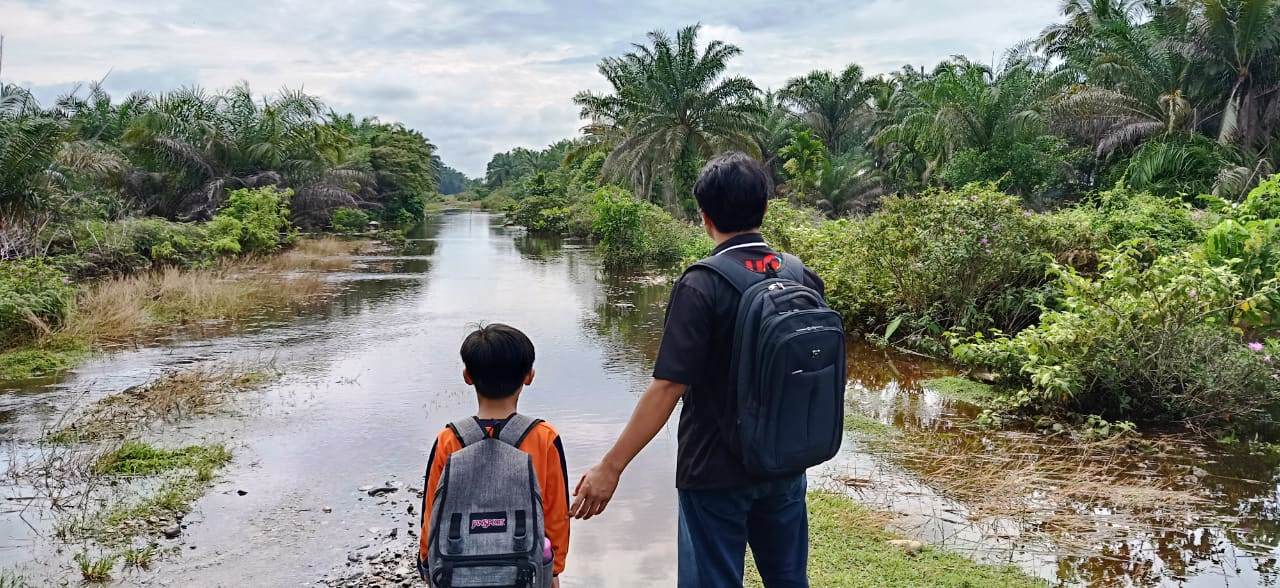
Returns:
point(787, 367)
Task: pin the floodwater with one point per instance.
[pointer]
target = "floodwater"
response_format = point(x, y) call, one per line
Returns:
point(372, 377)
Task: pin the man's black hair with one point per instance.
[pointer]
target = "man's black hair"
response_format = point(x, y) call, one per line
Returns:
point(733, 189)
point(498, 357)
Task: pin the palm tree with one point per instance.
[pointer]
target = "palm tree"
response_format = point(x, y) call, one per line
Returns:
point(834, 106)
point(773, 130)
point(671, 105)
point(965, 105)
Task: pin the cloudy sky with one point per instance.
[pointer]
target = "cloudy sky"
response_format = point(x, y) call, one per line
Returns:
point(475, 77)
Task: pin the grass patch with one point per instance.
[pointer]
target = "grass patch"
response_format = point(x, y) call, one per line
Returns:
point(10, 579)
point(848, 548)
point(962, 389)
point(173, 396)
point(318, 254)
point(183, 476)
point(139, 558)
point(95, 570)
point(867, 426)
point(136, 458)
point(55, 354)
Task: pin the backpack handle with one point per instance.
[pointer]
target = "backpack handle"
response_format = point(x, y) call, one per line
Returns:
point(742, 278)
point(512, 432)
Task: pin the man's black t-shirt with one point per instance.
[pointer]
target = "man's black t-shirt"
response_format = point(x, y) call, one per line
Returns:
point(697, 343)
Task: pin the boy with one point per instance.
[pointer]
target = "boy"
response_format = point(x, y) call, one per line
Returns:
point(498, 362)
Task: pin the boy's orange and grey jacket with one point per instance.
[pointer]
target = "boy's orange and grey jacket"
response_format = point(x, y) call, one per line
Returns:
point(544, 447)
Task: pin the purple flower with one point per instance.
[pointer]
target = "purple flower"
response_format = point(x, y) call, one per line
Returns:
point(1191, 293)
point(984, 242)
point(1255, 346)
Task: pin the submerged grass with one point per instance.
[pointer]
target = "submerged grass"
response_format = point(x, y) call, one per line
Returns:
point(849, 548)
point(135, 458)
point(173, 396)
point(181, 477)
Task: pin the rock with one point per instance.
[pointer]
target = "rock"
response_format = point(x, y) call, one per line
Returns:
point(1199, 472)
point(366, 488)
point(910, 546)
point(241, 492)
point(393, 533)
point(375, 492)
point(327, 509)
point(402, 571)
point(172, 531)
point(353, 557)
point(410, 510)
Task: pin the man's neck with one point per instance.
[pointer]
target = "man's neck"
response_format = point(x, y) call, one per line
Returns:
point(497, 409)
point(720, 238)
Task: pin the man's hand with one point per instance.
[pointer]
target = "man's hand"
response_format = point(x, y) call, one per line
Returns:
point(596, 487)
point(594, 491)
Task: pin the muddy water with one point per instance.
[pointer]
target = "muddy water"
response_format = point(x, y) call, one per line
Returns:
point(370, 379)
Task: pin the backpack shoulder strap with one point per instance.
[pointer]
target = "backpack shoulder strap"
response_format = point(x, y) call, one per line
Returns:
point(468, 431)
point(516, 429)
point(792, 268)
point(743, 278)
point(737, 274)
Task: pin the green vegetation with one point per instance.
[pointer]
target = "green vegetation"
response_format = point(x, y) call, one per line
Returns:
point(139, 558)
point(849, 548)
point(867, 426)
point(349, 220)
point(962, 389)
point(1094, 220)
point(135, 458)
point(174, 480)
point(95, 570)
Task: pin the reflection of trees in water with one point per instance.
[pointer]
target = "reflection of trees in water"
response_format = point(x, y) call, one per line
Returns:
point(539, 247)
point(629, 312)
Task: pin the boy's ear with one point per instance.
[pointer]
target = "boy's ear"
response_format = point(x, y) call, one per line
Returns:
point(528, 378)
point(466, 377)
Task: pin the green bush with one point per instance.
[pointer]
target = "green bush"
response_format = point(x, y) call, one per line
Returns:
point(633, 234)
point(97, 247)
point(544, 213)
point(35, 297)
point(964, 260)
point(349, 220)
point(252, 221)
point(1140, 342)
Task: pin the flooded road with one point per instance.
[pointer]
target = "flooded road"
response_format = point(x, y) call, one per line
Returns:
point(370, 379)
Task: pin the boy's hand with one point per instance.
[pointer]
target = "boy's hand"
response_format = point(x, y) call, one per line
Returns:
point(555, 582)
point(594, 491)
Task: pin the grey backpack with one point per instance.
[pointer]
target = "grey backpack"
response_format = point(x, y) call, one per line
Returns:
point(486, 521)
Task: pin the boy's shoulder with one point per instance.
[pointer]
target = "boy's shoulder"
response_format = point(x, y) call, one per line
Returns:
point(543, 430)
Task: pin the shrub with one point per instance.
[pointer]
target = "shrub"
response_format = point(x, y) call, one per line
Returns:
point(35, 298)
point(97, 247)
point(546, 213)
point(1139, 342)
point(252, 221)
point(964, 260)
point(349, 220)
point(632, 233)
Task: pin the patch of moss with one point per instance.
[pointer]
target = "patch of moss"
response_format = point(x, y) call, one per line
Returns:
point(848, 548)
point(961, 389)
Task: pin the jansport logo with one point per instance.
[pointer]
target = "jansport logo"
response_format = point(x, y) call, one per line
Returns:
point(488, 522)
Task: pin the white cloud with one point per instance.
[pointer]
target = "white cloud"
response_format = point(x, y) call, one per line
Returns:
point(475, 78)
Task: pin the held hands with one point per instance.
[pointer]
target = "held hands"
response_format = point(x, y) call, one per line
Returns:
point(594, 491)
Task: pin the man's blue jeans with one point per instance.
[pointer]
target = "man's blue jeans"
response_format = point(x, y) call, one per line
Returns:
point(717, 525)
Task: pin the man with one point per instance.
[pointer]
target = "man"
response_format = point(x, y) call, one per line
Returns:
point(723, 508)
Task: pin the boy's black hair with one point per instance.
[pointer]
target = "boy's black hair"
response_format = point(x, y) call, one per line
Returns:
point(498, 357)
point(733, 189)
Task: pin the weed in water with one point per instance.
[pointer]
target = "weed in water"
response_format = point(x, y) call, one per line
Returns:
point(135, 458)
point(10, 579)
point(849, 548)
point(962, 389)
point(139, 558)
point(95, 570)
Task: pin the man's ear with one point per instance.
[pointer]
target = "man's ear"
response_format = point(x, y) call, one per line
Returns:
point(466, 377)
point(528, 378)
point(706, 222)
